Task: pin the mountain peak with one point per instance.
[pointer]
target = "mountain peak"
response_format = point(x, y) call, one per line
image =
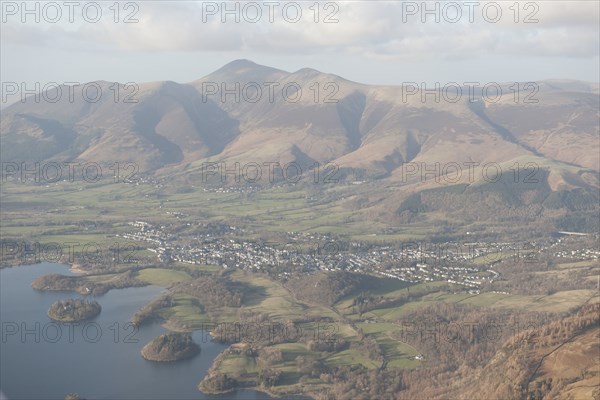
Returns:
point(243, 66)
point(241, 63)
point(243, 69)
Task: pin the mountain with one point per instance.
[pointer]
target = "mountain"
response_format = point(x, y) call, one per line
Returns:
point(375, 128)
point(391, 135)
point(167, 124)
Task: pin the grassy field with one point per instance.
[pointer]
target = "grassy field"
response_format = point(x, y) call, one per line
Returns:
point(238, 365)
point(557, 302)
point(390, 289)
point(161, 277)
point(197, 267)
point(398, 354)
point(272, 299)
point(350, 357)
point(579, 264)
point(186, 312)
point(273, 209)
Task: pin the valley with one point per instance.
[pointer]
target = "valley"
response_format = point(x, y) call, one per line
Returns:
point(300, 304)
point(371, 245)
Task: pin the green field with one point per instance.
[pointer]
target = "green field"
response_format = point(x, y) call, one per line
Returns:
point(161, 277)
point(273, 209)
point(186, 313)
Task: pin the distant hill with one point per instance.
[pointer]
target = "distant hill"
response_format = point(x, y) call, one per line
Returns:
point(376, 128)
point(396, 136)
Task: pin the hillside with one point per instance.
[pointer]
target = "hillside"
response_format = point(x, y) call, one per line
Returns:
point(557, 360)
point(537, 145)
point(552, 360)
point(304, 116)
point(327, 288)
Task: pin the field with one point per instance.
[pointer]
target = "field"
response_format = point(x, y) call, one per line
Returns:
point(187, 313)
point(67, 204)
point(161, 277)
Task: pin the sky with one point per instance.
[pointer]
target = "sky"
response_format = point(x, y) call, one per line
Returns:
point(374, 42)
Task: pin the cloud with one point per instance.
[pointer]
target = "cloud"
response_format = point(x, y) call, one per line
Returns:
point(371, 29)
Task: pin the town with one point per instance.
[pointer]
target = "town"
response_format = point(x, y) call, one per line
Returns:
point(467, 264)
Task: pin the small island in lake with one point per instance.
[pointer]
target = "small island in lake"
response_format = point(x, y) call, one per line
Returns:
point(172, 346)
point(73, 310)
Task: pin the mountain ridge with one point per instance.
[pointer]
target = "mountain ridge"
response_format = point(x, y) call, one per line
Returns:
point(270, 115)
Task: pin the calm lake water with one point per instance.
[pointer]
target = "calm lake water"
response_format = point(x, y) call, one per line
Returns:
point(99, 359)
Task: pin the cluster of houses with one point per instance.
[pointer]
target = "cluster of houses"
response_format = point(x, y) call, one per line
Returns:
point(579, 254)
point(469, 265)
point(409, 262)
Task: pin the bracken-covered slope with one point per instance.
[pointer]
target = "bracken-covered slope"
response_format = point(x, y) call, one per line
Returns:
point(560, 360)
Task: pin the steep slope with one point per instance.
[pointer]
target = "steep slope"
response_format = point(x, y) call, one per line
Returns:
point(556, 361)
point(563, 126)
point(303, 117)
point(160, 124)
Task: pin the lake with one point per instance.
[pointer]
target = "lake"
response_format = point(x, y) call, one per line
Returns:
point(98, 359)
